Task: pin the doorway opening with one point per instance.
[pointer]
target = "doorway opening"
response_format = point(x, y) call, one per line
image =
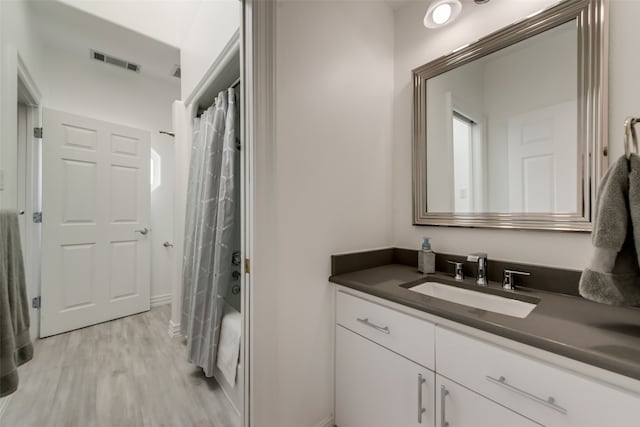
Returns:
point(97, 189)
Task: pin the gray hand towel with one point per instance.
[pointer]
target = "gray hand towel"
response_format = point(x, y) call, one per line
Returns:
point(15, 343)
point(613, 276)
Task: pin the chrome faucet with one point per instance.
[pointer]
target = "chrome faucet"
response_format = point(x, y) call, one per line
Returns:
point(481, 259)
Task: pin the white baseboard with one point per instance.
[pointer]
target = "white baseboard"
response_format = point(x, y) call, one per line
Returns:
point(174, 329)
point(327, 422)
point(4, 402)
point(163, 299)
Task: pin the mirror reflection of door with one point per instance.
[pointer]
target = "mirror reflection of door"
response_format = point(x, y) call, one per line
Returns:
point(542, 160)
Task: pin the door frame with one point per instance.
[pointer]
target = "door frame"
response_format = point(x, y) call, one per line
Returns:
point(16, 70)
point(257, 39)
point(258, 70)
point(33, 180)
point(183, 114)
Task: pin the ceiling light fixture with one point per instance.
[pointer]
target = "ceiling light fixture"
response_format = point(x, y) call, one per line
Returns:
point(442, 12)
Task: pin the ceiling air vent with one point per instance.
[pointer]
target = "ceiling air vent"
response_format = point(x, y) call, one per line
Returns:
point(108, 59)
point(176, 71)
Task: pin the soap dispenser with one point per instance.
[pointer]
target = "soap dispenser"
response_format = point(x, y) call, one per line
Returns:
point(426, 258)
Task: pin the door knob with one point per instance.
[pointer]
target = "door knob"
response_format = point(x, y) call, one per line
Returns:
point(144, 231)
point(167, 244)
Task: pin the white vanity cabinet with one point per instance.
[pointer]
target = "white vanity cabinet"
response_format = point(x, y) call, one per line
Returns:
point(550, 395)
point(378, 382)
point(389, 363)
point(376, 387)
point(459, 407)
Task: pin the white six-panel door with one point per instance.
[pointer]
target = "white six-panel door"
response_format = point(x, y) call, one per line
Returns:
point(543, 160)
point(96, 254)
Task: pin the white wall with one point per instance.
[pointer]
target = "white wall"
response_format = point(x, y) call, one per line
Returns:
point(332, 175)
point(414, 46)
point(214, 24)
point(200, 28)
point(15, 34)
point(77, 85)
point(624, 84)
point(163, 20)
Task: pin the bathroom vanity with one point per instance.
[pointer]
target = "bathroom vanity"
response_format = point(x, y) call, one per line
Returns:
point(508, 133)
point(405, 358)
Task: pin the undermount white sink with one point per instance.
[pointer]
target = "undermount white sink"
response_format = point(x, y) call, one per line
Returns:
point(481, 300)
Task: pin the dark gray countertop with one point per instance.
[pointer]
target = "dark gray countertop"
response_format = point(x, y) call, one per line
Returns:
point(600, 335)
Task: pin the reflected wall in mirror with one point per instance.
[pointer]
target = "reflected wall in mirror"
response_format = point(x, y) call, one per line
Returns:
point(508, 130)
point(506, 124)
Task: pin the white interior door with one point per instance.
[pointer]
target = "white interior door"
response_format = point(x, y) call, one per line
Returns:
point(543, 160)
point(96, 246)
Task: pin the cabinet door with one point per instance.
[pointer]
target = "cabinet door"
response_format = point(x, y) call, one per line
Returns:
point(460, 407)
point(376, 387)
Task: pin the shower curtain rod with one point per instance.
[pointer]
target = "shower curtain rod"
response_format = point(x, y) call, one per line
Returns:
point(202, 110)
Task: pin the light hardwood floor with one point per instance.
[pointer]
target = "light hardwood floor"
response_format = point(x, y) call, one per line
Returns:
point(127, 372)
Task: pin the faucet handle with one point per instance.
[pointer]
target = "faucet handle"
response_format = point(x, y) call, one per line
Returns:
point(459, 274)
point(477, 256)
point(507, 281)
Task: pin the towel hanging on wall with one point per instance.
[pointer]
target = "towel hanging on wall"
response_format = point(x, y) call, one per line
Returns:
point(613, 276)
point(15, 342)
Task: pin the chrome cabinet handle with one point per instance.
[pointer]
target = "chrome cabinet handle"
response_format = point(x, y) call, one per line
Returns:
point(384, 330)
point(421, 410)
point(550, 402)
point(144, 231)
point(167, 244)
point(443, 406)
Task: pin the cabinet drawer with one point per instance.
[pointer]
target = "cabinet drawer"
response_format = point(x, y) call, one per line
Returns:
point(547, 394)
point(407, 335)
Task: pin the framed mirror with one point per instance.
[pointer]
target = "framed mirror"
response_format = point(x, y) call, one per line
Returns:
point(510, 131)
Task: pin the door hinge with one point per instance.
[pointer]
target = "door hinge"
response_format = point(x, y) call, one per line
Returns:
point(36, 302)
point(247, 266)
point(37, 217)
point(37, 132)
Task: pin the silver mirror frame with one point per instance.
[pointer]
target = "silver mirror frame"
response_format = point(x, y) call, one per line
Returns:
point(591, 16)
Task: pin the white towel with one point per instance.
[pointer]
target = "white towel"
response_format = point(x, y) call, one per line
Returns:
point(229, 344)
